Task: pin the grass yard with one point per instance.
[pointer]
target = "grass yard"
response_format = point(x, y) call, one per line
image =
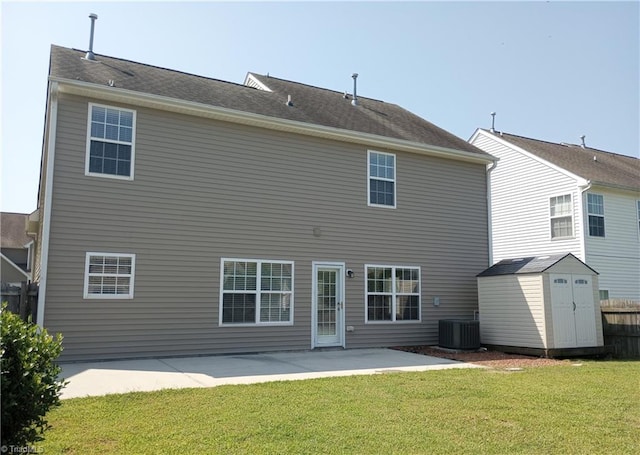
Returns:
point(593, 408)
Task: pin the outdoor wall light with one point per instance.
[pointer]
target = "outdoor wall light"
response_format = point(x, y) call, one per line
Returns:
point(350, 273)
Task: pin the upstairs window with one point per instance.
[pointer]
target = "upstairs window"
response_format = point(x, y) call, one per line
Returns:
point(595, 211)
point(382, 179)
point(561, 215)
point(110, 142)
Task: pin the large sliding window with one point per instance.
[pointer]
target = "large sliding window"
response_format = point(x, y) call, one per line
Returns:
point(110, 142)
point(256, 291)
point(393, 293)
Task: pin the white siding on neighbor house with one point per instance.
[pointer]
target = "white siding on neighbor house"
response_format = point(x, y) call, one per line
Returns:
point(616, 256)
point(512, 311)
point(520, 191)
point(206, 189)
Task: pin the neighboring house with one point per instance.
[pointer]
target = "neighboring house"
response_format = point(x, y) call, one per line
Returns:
point(182, 215)
point(549, 198)
point(16, 248)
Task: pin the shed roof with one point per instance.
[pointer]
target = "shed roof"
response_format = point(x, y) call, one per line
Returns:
point(534, 264)
point(309, 104)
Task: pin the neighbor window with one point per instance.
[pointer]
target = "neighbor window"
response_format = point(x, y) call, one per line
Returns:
point(382, 179)
point(561, 214)
point(256, 292)
point(110, 142)
point(109, 276)
point(595, 211)
point(604, 294)
point(393, 293)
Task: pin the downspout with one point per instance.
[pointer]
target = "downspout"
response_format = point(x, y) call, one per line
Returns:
point(51, 127)
point(583, 222)
point(489, 220)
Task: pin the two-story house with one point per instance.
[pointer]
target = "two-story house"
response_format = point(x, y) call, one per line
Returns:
point(549, 198)
point(183, 215)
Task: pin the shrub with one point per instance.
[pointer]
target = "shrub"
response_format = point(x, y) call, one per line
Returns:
point(29, 379)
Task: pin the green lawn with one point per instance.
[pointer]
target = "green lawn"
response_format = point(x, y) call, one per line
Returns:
point(593, 408)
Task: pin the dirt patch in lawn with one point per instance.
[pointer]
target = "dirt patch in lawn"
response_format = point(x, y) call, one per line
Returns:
point(493, 359)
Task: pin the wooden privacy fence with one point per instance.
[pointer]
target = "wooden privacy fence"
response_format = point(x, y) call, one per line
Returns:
point(621, 327)
point(22, 300)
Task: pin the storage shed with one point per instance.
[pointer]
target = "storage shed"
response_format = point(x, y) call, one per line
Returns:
point(546, 305)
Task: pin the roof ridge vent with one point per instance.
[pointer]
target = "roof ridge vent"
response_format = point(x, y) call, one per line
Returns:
point(90, 55)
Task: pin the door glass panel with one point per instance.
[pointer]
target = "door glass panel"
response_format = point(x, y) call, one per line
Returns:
point(327, 302)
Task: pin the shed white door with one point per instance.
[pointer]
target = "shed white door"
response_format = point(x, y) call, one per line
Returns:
point(573, 311)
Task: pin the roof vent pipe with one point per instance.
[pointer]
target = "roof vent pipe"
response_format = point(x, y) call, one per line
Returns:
point(493, 122)
point(354, 101)
point(90, 55)
point(583, 145)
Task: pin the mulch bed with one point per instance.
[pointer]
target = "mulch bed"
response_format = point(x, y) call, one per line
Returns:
point(493, 359)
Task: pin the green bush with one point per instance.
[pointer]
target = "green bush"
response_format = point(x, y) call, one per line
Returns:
point(29, 379)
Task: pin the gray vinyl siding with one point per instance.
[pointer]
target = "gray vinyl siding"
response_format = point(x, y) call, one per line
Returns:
point(204, 190)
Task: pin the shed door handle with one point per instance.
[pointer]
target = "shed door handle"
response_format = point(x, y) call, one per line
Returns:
point(574, 306)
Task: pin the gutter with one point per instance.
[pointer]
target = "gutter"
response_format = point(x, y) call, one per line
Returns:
point(583, 221)
point(489, 217)
point(51, 128)
point(125, 96)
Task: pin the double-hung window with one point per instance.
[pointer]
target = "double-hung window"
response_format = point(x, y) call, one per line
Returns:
point(381, 179)
point(595, 211)
point(109, 276)
point(256, 292)
point(110, 142)
point(561, 214)
point(393, 293)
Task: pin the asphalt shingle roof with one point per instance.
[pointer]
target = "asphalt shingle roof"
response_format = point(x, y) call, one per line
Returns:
point(535, 264)
point(310, 104)
point(607, 168)
point(13, 230)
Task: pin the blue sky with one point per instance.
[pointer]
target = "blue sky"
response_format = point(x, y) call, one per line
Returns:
point(551, 70)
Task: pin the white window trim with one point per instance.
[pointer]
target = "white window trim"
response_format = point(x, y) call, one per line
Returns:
point(258, 322)
point(394, 180)
point(88, 144)
point(393, 294)
point(109, 296)
point(551, 218)
point(588, 231)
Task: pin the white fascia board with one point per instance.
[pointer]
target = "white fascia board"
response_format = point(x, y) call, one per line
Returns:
point(580, 181)
point(15, 266)
point(131, 97)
